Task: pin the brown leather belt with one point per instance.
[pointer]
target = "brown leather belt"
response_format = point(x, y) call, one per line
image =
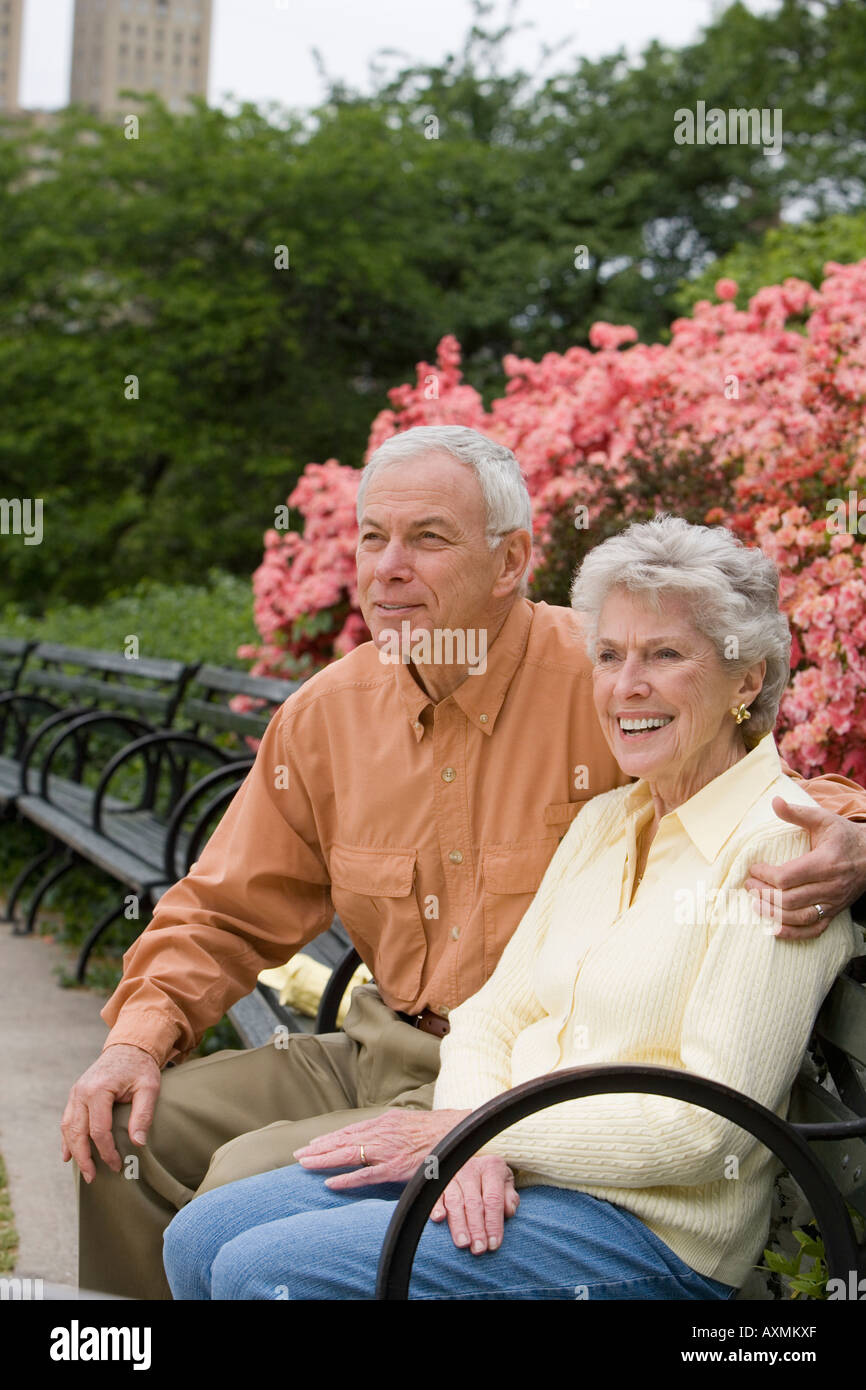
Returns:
point(428, 1022)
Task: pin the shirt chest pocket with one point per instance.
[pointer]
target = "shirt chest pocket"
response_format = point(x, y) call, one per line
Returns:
point(373, 894)
point(511, 875)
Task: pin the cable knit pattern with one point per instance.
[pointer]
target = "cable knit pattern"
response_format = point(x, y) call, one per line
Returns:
point(687, 976)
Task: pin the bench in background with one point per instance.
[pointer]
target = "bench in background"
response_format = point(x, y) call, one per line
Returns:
point(142, 812)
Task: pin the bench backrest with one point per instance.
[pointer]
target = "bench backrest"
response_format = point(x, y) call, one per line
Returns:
point(252, 701)
point(840, 1042)
point(78, 676)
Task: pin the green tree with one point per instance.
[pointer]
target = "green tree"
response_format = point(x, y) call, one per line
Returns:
point(166, 375)
point(800, 249)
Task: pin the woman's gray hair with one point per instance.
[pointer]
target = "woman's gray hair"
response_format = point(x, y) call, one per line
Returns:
point(506, 499)
point(732, 590)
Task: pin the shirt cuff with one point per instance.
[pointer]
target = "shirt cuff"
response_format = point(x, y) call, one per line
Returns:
point(152, 1033)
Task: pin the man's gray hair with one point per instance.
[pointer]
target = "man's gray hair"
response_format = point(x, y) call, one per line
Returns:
point(506, 499)
point(731, 589)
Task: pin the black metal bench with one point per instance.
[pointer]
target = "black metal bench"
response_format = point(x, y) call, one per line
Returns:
point(821, 1143)
point(89, 690)
point(149, 807)
point(49, 684)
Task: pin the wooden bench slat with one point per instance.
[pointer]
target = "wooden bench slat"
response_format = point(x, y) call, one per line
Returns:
point(119, 863)
point(197, 711)
point(167, 669)
point(273, 688)
point(255, 1020)
point(100, 691)
point(842, 1020)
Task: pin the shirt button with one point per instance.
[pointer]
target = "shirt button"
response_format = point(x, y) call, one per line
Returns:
point(448, 774)
point(456, 856)
point(455, 933)
point(483, 718)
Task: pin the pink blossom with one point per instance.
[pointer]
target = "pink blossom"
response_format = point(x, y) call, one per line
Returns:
point(749, 418)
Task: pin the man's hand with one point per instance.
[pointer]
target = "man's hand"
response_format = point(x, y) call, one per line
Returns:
point(833, 873)
point(395, 1145)
point(477, 1201)
point(120, 1073)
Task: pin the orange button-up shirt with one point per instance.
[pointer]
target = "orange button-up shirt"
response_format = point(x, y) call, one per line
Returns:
point(426, 827)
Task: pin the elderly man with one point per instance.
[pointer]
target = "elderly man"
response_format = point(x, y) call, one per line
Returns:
point(419, 786)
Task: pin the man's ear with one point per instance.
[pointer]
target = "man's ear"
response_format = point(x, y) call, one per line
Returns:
point(515, 554)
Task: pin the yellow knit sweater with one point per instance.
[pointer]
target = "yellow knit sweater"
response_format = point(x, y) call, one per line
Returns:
point(688, 976)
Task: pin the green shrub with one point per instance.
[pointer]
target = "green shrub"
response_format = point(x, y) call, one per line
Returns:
point(809, 1280)
point(183, 622)
point(798, 249)
point(8, 1234)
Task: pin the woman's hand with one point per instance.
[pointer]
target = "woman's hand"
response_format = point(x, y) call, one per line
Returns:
point(394, 1146)
point(477, 1201)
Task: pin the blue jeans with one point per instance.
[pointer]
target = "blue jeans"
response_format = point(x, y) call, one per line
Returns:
point(284, 1235)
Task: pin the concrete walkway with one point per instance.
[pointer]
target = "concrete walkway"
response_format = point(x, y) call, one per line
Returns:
point(48, 1037)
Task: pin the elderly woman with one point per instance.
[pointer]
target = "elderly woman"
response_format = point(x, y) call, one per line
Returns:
point(641, 945)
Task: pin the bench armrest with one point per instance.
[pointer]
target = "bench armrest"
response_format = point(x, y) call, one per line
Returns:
point(234, 773)
point(60, 717)
point(782, 1138)
point(92, 718)
point(163, 742)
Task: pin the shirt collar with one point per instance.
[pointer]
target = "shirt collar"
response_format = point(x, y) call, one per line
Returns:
point(713, 813)
point(481, 696)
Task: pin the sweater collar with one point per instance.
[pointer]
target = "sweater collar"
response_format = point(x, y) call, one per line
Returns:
point(710, 817)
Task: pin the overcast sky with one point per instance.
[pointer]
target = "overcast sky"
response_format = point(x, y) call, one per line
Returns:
point(261, 49)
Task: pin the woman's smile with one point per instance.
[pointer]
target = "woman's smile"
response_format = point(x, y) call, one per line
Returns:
point(641, 727)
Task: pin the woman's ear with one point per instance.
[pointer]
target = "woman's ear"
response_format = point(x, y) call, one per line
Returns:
point(752, 681)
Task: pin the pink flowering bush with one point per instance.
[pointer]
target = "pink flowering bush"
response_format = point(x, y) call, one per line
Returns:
point(752, 418)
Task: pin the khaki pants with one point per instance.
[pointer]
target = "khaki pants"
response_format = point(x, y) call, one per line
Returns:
point(235, 1114)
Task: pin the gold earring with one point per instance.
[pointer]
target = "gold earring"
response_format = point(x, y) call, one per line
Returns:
point(740, 714)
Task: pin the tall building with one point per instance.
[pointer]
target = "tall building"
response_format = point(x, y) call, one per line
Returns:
point(10, 53)
point(160, 46)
